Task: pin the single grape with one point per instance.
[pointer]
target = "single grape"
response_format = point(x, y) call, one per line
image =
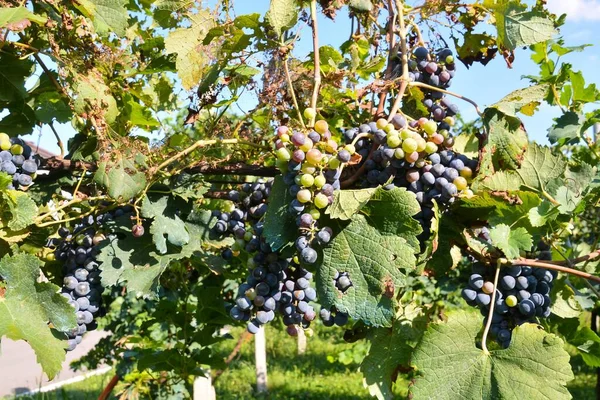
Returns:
point(137, 230)
point(308, 255)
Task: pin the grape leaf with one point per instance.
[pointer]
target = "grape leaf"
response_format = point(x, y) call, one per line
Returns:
point(346, 203)
point(581, 93)
point(282, 15)
point(542, 214)
point(13, 73)
point(279, 224)
point(391, 212)
point(135, 261)
point(539, 167)
point(27, 306)
point(391, 348)
point(50, 106)
point(361, 5)
point(108, 16)
point(588, 346)
point(377, 265)
point(166, 225)
point(11, 15)
point(186, 42)
point(567, 128)
point(21, 208)
point(511, 240)
point(505, 144)
point(467, 144)
point(121, 178)
point(92, 92)
point(524, 100)
point(535, 365)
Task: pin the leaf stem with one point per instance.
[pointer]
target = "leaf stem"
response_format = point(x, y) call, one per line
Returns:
point(404, 57)
point(58, 140)
point(317, 72)
point(67, 204)
point(286, 68)
point(488, 323)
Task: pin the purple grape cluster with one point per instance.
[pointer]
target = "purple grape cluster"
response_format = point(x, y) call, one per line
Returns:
point(523, 293)
point(251, 205)
point(18, 160)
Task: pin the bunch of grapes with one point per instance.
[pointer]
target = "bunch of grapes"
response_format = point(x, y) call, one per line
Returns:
point(417, 156)
point(250, 206)
point(523, 293)
point(77, 250)
point(17, 159)
point(313, 162)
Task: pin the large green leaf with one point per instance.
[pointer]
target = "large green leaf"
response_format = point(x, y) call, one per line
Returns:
point(51, 106)
point(27, 307)
point(538, 168)
point(377, 265)
point(11, 15)
point(506, 142)
point(187, 43)
point(390, 349)
point(525, 101)
point(108, 16)
point(282, 15)
point(280, 225)
point(21, 208)
point(92, 92)
point(121, 178)
point(166, 224)
point(511, 240)
point(535, 366)
point(346, 203)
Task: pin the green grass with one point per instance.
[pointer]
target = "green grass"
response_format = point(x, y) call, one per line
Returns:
point(292, 376)
point(85, 390)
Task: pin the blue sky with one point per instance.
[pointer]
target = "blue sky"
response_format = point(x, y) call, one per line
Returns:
point(485, 85)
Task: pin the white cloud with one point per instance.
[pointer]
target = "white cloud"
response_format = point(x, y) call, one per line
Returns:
point(576, 10)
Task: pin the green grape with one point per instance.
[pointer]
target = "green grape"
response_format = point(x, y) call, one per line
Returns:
point(431, 148)
point(466, 173)
point(282, 154)
point(409, 145)
point(297, 179)
point(421, 144)
point(308, 169)
point(405, 134)
point(430, 127)
point(320, 181)
point(449, 59)
point(350, 148)
point(460, 183)
point(310, 113)
point(321, 201)
point(511, 301)
point(307, 180)
point(394, 141)
point(388, 128)
point(16, 149)
point(399, 154)
point(304, 196)
point(308, 144)
point(284, 137)
point(316, 214)
point(449, 120)
point(334, 163)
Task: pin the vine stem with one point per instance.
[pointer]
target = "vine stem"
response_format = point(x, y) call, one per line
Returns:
point(361, 136)
point(286, 68)
point(570, 264)
point(58, 140)
point(201, 143)
point(404, 56)
point(488, 323)
point(458, 96)
point(420, 41)
point(65, 205)
point(555, 267)
point(391, 55)
point(317, 75)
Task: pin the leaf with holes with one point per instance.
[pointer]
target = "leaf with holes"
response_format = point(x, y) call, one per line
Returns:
point(377, 265)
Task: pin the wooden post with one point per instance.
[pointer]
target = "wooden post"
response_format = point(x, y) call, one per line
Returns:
point(301, 341)
point(260, 354)
point(203, 388)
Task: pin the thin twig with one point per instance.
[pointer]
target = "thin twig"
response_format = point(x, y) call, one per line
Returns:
point(555, 267)
point(404, 56)
point(459, 96)
point(286, 68)
point(391, 55)
point(317, 72)
point(488, 323)
point(68, 204)
point(58, 141)
point(420, 41)
point(57, 85)
point(201, 143)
